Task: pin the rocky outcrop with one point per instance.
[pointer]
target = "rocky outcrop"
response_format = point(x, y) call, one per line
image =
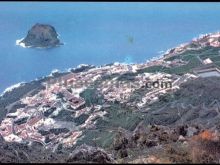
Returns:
point(88, 154)
point(23, 153)
point(121, 143)
point(41, 35)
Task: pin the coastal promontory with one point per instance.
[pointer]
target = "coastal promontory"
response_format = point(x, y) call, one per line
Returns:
point(41, 35)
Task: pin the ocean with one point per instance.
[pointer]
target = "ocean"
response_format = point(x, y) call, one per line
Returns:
point(97, 33)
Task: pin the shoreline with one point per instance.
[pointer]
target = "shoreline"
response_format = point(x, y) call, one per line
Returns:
point(21, 44)
point(11, 88)
point(55, 71)
point(162, 54)
point(68, 70)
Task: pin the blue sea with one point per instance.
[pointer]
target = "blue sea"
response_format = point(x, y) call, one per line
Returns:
point(97, 33)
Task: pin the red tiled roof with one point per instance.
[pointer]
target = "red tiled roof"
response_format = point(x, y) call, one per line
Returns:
point(36, 136)
point(22, 126)
point(5, 133)
point(67, 95)
point(34, 120)
point(24, 134)
point(68, 76)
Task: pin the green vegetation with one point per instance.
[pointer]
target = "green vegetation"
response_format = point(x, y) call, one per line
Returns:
point(91, 97)
point(107, 128)
point(117, 114)
point(81, 119)
point(138, 94)
point(152, 69)
point(204, 53)
point(215, 58)
point(217, 63)
point(127, 77)
point(193, 62)
point(101, 138)
point(63, 115)
point(208, 52)
point(58, 131)
point(190, 56)
point(172, 58)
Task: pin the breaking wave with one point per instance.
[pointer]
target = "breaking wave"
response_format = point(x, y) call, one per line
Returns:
point(11, 88)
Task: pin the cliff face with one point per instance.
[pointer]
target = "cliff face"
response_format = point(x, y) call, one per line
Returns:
point(41, 35)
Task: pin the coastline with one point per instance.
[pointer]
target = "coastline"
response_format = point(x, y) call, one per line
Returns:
point(56, 72)
point(53, 74)
point(66, 71)
point(19, 43)
point(11, 88)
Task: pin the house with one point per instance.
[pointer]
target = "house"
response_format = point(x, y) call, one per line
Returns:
point(7, 130)
point(19, 128)
point(13, 138)
point(67, 95)
point(34, 120)
point(24, 134)
point(76, 102)
point(207, 61)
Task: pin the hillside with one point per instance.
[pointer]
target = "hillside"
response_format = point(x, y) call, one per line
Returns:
point(111, 114)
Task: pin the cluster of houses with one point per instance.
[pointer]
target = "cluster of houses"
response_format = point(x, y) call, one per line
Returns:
point(24, 124)
point(64, 93)
point(209, 39)
point(197, 43)
point(169, 83)
point(22, 130)
point(175, 63)
point(121, 91)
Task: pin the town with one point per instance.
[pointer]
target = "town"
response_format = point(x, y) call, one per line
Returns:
point(50, 116)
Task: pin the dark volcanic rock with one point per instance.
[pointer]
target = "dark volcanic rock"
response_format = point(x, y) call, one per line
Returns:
point(41, 35)
point(90, 154)
point(197, 102)
point(12, 152)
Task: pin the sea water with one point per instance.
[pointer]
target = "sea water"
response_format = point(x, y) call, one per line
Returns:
point(96, 33)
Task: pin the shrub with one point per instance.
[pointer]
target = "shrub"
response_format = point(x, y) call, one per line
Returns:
point(205, 147)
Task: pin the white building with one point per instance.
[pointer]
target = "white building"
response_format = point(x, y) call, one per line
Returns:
point(207, 61)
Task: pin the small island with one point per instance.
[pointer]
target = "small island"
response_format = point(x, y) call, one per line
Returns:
point(40, 36)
